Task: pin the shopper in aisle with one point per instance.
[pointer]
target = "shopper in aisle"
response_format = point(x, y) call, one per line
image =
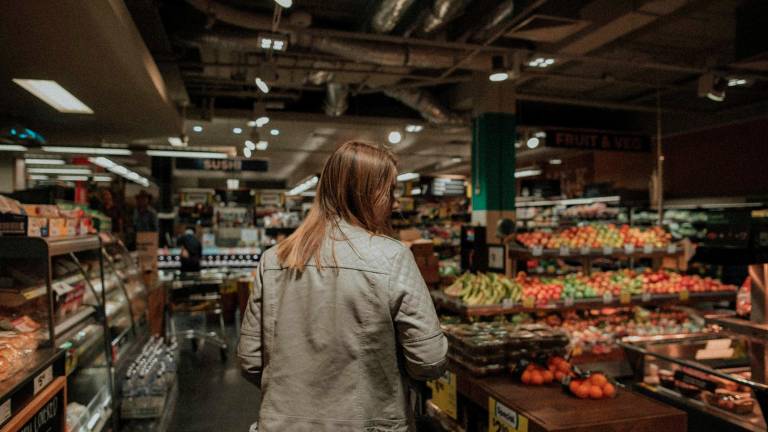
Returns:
point(144, 216)
point(340, 316)
point(191, 250)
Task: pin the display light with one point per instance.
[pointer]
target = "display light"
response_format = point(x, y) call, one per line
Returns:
point(237, 130)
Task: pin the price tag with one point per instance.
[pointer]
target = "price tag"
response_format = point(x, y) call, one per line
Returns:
point(646, 297)
point(607, 250)
point(504, 419)
point(43, 380)
point(444, 393)
point(585, 251)
point(537, 251)
point(625, 297)
point(607, 297)
point(672, 248)
point(529, 302)
point(629, 249)
point(565, 250)
point(508, 303)
point(5, 411)
point(568, 301)
point(684, 295)
point(648, 248)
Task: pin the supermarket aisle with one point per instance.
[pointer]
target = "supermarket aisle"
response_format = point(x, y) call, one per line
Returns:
point(213, 396)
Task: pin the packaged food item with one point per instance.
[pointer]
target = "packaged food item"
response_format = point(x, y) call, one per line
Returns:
point(738, 403)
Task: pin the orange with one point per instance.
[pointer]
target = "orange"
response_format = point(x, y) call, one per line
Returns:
point(596, 392)
point(582, 392)
point(598, 379)
point(548, 376)
point(526, 377)
point(609, 390)
point(559, 375)
point(574, 386)
point(564, 367)
point(536, 378)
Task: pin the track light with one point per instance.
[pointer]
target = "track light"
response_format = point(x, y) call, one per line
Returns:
point(712, 87)
point(499, 72)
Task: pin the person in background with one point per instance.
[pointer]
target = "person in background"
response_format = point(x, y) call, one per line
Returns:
point(144, 216)
point(339, 317)
point(191, 251)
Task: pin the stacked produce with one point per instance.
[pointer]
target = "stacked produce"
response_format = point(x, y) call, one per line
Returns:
point(593, 386)
point(488, 289)
point(597, 236)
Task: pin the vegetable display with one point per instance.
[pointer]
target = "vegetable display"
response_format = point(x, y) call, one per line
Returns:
point(597, 236)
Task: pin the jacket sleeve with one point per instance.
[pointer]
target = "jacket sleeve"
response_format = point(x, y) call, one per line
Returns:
point(249, 345)
point(419, 335)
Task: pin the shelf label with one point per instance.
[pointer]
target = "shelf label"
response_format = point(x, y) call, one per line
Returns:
point(507, 303)
point(607, 250)
point(684, 295)
point(646, 297)
point(565, 250)
point(5, 411)
point(585, 251)
point(607, 297)
point(504, 419)
point(537, 251)
point(648, 248)
point(529, 302)
point(568, 301)
point(672, 248)
point(444, 393)
point(629, 249)
point(625, 297)
point(42, 380)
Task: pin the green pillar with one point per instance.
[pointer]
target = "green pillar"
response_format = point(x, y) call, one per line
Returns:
point(493, 169)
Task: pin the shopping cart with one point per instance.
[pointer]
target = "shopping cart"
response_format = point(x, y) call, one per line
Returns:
point(195, 295)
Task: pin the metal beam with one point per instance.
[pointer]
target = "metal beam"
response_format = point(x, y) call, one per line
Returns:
point(595, 104)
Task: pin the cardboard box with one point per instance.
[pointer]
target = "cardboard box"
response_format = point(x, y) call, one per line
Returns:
point(57, 227)
point(37, 226)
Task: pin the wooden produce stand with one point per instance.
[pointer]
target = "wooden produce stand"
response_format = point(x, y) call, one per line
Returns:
point(512, 407)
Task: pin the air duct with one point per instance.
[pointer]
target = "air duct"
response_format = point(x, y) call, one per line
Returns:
point(389, 14)
point(502, 12)
point(442, 12)
point(239, 18)
point(426, 105)
point(336, 99)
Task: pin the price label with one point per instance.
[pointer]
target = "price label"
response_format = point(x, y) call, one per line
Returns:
point(508, 303)
point(684, 295)
point(646, 297)
point(5, 411)
point(648, 248)
point(444, 393)
point(529, 302)
point(672, 248)
point(501, 418)
point(568, 301)
point(607, 250)
point(629, 249)
point(537, 251)
point(607, 297)
point(43, 379)
point(565, 250)
point(176, 284)
point(585, 251)
point(625, 297)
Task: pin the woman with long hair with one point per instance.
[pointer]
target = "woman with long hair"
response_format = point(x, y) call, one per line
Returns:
point(340, 316)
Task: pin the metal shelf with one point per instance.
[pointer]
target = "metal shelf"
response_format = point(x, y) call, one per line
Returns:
point(74, 320)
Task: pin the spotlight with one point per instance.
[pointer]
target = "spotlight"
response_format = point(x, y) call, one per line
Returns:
point(395, 137)
point(499, 72)
point(532, 142)
point(712, 87)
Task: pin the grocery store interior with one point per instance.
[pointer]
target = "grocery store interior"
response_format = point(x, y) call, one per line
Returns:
point(583, 185)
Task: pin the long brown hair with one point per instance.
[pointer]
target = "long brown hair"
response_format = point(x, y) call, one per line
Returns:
point(357, 186)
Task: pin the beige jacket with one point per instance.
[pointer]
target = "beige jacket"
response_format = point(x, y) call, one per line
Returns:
point(334, 346)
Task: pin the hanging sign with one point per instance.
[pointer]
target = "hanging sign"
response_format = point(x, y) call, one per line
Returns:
point(444, 393)
point(225, 165)
point(598, 140)
point(504, 419)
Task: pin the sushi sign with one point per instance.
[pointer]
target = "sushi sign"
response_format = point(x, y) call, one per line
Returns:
point(598, 140)
point(224, 165)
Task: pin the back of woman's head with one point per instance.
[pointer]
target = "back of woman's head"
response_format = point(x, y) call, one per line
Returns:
point(356, 186)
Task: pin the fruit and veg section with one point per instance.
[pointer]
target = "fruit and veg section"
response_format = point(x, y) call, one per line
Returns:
point(596, 236)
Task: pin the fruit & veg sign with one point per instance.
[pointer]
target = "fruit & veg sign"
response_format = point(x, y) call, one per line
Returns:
point(504, 419)
point(598, 140)
point(444, 393)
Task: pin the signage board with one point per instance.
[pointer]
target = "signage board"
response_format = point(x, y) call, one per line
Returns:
point(598, 140)
point(222, 165)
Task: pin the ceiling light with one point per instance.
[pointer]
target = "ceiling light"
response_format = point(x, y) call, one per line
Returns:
point(187, 154)
point(72, 178)
point(262, 121)
point(59, 170)
point(102, 162)
point(407, 176)
point(246, 152)
point(735, 82)
point(117, 169)
point(38, 177)
point(12, 147)
point(237, 130)
point(32, 161)
point(395, 137)
point(555, 161)
point(498, 72)
point(251, 123)
point(456, 159)
point(250, 145)
point(532, 142)
point(102, 178)
point(89, 150)
point(176, 141)
point(416, 191)
point(541, 62)
point(528, 172)
point(233, 184)
point(304, 186)
point(712, 87)
point(197, 128)
point(540, 134)
point(262, 85)
point(54, 95)
point(414, 128)
point(518, 144)
point(272, 42)
point(262, 145)
point(275, 132)
point(285, 3)
point(498, 76)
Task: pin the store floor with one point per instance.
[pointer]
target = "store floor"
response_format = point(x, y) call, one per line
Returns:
point(213, 396)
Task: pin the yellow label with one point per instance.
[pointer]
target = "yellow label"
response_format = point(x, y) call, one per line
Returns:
point(684, 295)
point(529, 302)
point(444, 393)
point(625, 297)
point(504, 419)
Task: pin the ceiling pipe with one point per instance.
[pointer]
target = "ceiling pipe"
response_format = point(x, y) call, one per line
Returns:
point(389, 14)
point(336, 99)
point(493, 21)
point(443, 11)
point(427, 106)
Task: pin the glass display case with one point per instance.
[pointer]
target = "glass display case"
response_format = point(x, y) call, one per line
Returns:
point(51, 300)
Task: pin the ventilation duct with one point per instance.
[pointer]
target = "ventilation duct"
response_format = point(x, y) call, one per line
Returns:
point(442, 12)
point(426, 105)
point(336, 99)
point(389, 14)
point(502, 12)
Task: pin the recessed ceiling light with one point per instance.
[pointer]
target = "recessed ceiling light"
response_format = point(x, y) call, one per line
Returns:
point(262, 85)
point(246, 152)
point(237, 130)
point(197, 128)
point(412, 128)
point(275, 132)
point(555, 161)
point(88, 150)
point(541, 62)
point(54, 95)
point(532, 142)
point(32, 161)
point(498, 76)
point(12, 147)
point(250, 144)
point(395, 137)
point(262, 145)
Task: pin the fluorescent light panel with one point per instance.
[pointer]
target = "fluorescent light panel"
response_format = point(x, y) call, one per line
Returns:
point(89, 150)
point(12, 147)
point(34, 161)
point(44, 170)
point(527, 173)
point(73, 178)
point(54, 95)
point(407, 176)
point(187, 154)
point(118, 169)
point(304, 186)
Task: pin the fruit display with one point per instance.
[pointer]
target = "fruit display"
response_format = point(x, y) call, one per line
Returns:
point(596, 236)
point(537, 375)
point(484, 288)
point(593, 386)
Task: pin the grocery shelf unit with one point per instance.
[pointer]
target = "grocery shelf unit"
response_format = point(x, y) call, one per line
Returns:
point(42, 273)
